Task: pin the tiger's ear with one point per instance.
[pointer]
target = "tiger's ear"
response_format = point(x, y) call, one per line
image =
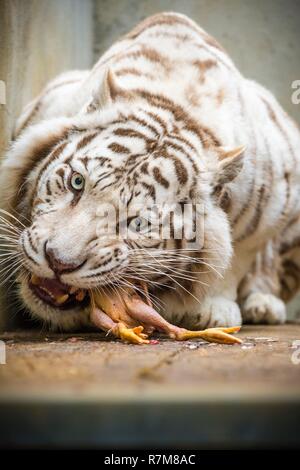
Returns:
point(230, 164)
point(106, 93)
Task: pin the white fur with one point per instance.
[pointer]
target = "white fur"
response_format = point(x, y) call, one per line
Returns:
point(264, 308)
point(221, 100)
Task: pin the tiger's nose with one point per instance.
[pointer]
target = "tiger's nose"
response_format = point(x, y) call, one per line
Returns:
point(57, 265)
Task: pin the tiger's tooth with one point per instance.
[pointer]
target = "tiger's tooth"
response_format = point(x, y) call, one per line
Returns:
point(35, 280)
point(73, 290)
point(80, 296)
point(61, 299)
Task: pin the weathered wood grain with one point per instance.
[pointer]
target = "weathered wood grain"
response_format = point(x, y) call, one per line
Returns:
point(86, 390)
point(90, 364)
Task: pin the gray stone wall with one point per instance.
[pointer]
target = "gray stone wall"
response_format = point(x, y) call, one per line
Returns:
point(38, 40)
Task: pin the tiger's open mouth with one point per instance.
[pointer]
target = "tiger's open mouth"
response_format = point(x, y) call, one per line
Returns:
point(56, 294)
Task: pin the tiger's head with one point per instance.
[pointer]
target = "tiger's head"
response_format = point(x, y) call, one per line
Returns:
point(73, 179)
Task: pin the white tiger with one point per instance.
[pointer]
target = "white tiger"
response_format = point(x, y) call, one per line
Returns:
point(164, 116)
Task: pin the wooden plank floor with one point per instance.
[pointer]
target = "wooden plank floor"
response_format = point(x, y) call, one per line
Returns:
point(126, 394)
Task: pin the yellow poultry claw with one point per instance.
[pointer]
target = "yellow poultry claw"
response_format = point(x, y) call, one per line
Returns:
point(131, 335)
point(212, 335)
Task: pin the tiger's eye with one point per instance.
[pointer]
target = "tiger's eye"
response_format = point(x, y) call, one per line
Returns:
point(77, 182)
point(138, 223)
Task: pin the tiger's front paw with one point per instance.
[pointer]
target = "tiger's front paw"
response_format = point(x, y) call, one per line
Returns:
point(219, 311)
point(264, 308)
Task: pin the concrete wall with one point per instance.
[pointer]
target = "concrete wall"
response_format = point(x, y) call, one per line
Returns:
point(262, 36)
point(38, 40)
